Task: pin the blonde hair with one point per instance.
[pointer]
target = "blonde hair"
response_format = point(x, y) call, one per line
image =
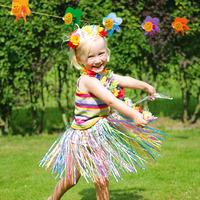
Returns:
point(76, 55)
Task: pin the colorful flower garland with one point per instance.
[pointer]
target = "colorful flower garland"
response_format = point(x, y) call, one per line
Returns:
point(20, 9)
point(107, 79)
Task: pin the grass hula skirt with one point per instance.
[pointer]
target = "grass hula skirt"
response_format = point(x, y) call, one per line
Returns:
point(112, 146)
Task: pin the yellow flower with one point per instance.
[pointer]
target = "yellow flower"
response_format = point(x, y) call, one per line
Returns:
point(75, 39)
point(68, 18)
point(134, 106)
point(115, 92)
point(84, 71)
point(100, 29)
point(16, 9)
point(115, 83)
point(88, 30)
point(108, 23)
point(148, 26)
point(178, 26)
point(103, 80)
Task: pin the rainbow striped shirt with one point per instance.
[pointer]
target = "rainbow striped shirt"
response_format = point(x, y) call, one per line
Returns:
point(88, 108)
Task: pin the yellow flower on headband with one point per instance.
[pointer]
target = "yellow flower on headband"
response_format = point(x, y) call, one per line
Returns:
point(88, 30)
point(75, 39)
point(100, 29)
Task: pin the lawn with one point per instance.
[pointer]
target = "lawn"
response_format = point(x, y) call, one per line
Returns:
point(175, 175)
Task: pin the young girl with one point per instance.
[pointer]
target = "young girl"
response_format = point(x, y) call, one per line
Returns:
point(107, 136)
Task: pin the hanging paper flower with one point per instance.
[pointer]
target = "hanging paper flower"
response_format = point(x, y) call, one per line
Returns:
point(68, 18)
point(151, 25)
point(74, 41)
point(111, 23)
point(20, 9)
point(180, 25)
point(72, 16)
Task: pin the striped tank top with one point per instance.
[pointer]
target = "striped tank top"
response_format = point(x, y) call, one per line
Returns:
point(88, 108)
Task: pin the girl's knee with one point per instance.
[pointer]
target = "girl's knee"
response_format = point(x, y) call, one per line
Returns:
point(70, 182)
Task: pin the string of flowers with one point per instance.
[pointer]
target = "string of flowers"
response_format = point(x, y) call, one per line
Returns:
point(20, 9)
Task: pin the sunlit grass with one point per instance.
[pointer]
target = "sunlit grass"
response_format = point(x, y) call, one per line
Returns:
point(175, 175)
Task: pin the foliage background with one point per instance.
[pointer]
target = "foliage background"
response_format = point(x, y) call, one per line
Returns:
point(37, 81)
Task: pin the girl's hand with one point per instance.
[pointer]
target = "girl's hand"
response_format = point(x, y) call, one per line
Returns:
point(151, 91)
point(139, 119)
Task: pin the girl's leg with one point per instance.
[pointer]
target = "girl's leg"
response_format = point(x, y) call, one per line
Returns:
point(102, 189)
point(62, 186)
point(68, 181)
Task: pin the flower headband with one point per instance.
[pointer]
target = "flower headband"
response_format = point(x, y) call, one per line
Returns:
point(86, 32)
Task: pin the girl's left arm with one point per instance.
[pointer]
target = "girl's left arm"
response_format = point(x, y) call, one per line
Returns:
point(129, 82)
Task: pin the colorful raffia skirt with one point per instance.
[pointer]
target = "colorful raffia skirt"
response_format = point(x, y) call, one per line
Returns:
point(112, 146)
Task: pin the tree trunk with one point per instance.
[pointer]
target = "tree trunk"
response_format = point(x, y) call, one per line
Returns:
point(185, 92)
point(4, 119)
point(186, 99)
point(186, 86)
point(196, 112)
point(42, 111)
point(4, 126)
point(33, 110)
point(59, 93)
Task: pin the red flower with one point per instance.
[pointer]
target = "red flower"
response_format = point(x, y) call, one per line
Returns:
point(140, 109)
point(91, 73)
point(70, 45)
point(103, 33)
point(121, 93)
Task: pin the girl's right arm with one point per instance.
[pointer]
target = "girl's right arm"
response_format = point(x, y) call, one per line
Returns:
point(93, 85)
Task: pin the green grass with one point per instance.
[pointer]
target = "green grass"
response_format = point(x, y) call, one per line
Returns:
point(174, 176)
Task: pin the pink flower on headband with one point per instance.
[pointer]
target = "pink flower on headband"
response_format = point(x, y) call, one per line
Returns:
point(151, 25)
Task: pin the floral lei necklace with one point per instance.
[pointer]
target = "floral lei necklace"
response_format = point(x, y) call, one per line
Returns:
point(107, 80)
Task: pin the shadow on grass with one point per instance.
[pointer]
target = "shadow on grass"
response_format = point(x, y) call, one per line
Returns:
point(126, 194)
point(181, 137)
